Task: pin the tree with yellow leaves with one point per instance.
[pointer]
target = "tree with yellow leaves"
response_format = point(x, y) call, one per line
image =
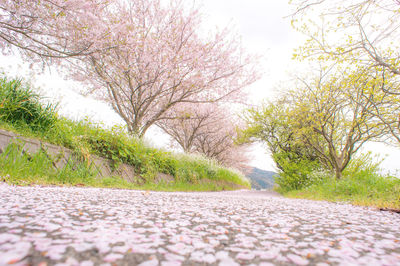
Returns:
point(335, 113)
point(358, 32)
point(325, 119)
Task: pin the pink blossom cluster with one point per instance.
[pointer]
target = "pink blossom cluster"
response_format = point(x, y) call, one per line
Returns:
point(143, 57)
point(210, 129)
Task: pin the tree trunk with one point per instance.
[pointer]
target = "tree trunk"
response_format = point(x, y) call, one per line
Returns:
point(338, 173)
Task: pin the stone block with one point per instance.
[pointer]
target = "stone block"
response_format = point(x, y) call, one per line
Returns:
point(61, 156)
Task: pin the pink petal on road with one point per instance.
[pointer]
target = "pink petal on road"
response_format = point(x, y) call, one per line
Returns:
point(297, 259)
point(220, 255)
point(245, 256)
point(113, 257)
point(228, 262)
point(11, 257)
point(153, 262)
point(209, 258)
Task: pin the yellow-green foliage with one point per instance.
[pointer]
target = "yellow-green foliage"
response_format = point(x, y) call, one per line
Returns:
point(274, 125)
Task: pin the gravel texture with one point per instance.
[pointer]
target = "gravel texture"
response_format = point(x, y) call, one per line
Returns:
point(91, 226)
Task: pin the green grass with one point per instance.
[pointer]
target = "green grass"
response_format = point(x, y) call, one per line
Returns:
point(365, 188)
point(20, 105)
point(20, 168)
point(86, 138)
point(362, 184)
point(23, 168)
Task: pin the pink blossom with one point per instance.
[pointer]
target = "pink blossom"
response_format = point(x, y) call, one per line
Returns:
point(245, 256)
point(297, 259)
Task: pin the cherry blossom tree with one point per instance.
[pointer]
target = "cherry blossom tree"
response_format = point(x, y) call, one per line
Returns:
point(162, 59)
point(188, 122)
point(209, 129)
point(144, 57)
point(221, 147)
point(53, 29)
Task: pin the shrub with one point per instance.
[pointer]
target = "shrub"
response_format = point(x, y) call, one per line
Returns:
point(363, 164)
point(295, 171)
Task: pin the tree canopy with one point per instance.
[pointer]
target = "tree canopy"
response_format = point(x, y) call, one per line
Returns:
point(149, 59)
point(324, 119)
point(143, 57)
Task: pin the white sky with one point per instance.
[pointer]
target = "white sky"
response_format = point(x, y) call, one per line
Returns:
point(264, 31)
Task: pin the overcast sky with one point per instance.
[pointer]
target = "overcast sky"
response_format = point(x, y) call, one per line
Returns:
point(264, 30)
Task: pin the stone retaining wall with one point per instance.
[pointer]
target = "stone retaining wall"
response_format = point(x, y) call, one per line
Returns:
point(61, 156)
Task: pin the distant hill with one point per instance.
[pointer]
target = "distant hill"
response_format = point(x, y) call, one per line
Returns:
point(261, 179)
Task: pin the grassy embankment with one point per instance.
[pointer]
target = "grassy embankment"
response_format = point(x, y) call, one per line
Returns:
point(362, 184)
point(22, 112)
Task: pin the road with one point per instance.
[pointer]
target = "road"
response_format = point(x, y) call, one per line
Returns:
point(91, 226)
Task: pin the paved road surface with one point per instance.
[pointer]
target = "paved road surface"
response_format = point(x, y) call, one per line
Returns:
point(89, 226)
